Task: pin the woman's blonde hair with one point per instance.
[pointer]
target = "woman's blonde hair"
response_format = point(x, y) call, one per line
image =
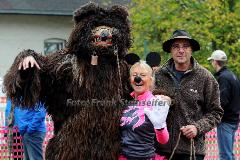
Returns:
point(142, 64)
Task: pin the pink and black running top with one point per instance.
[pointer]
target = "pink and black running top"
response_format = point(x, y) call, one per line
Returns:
point(137, 131)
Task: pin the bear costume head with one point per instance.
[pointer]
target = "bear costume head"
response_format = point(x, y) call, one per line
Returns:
point(100, 31)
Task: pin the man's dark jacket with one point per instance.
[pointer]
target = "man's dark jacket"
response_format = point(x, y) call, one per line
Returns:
point(196, 101)
point(229, 86)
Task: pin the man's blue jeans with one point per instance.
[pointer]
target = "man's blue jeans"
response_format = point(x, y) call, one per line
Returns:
point(225, 138)
point(32, 145)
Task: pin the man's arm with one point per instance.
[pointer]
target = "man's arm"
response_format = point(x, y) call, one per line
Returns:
point(212, 110)
point(7, 111)
point(224, 87)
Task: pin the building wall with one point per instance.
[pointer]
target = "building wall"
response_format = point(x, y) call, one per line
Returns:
point(20, 32)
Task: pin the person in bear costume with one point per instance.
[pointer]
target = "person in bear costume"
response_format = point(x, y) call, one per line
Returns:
point(81, 85)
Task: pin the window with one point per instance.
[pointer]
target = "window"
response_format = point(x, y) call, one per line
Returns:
point(53, 44)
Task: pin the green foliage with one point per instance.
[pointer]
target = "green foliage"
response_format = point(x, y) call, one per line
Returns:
point(214, 23)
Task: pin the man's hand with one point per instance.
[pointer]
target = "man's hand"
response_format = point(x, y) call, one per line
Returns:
point(28, 62)
point(190, 131)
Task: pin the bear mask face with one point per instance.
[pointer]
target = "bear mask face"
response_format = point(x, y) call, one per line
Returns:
point(102, 36)
point(100, 31)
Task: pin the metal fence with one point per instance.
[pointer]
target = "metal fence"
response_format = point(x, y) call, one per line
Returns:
point(17, 147)
point(17, 150)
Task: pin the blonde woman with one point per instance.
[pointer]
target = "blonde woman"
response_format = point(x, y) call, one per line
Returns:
point(144, 119)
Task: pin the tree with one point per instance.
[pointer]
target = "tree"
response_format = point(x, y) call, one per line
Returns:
point(214, 23)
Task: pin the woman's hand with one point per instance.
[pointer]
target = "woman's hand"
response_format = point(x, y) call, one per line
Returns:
point(158, 113)
point(164, 98)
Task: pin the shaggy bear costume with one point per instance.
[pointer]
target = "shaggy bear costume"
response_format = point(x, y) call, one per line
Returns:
point(81, 85)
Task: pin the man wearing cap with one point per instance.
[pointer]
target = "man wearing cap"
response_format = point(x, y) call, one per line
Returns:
point(195, 97)
point(229, 86)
